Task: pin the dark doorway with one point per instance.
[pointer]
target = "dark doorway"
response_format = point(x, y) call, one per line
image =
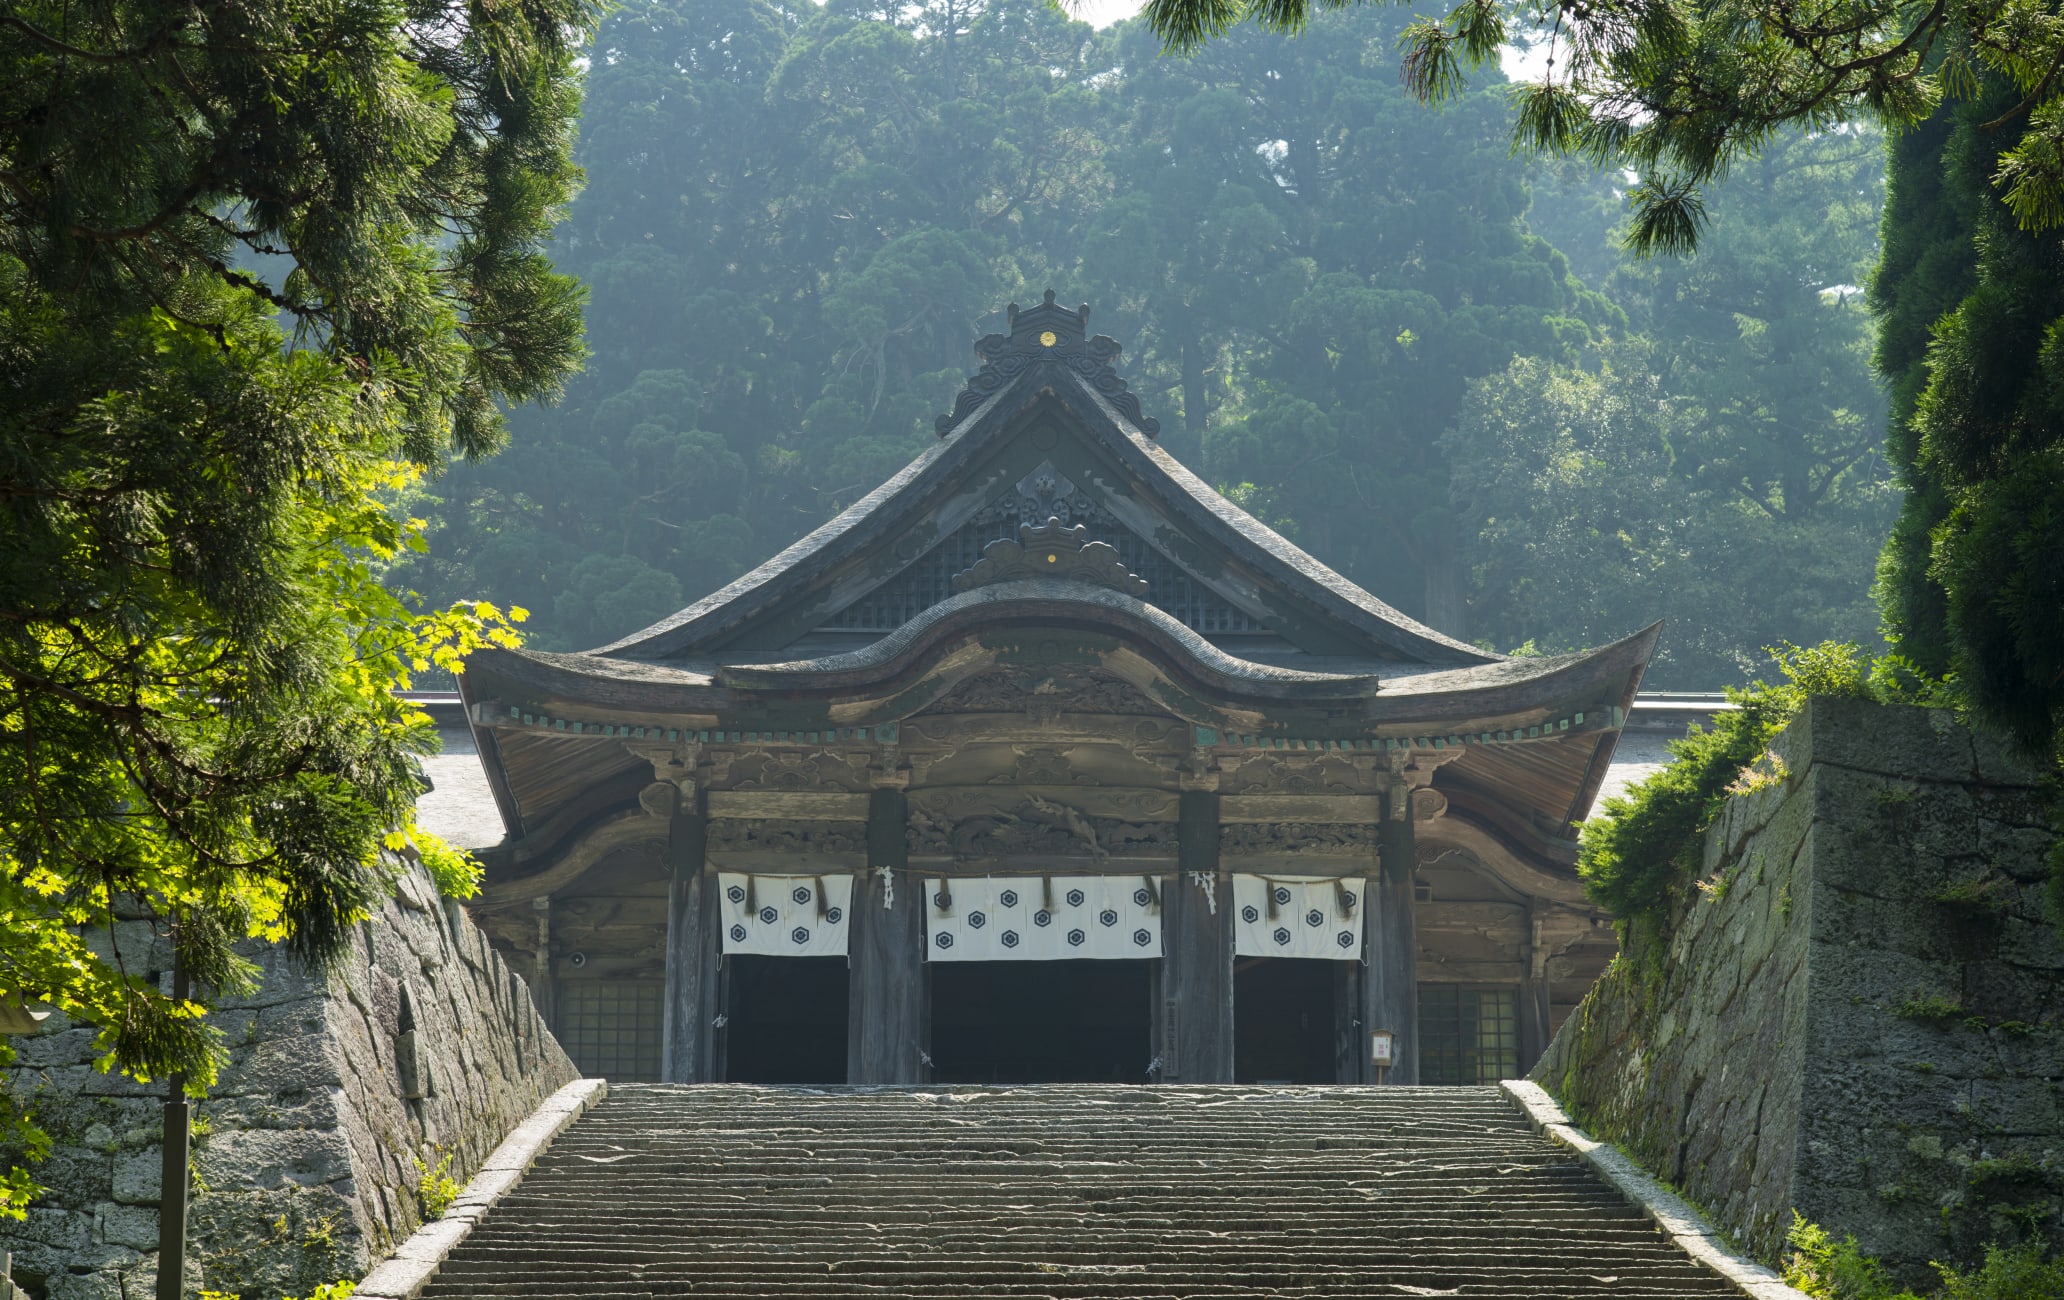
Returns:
point(1284, 1012)
point(1041, 1021)
point(785, 1019)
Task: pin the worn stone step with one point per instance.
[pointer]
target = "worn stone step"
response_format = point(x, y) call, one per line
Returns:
point(1062, 1192)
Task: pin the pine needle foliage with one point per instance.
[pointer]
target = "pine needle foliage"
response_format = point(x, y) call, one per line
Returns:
point(1680, 92)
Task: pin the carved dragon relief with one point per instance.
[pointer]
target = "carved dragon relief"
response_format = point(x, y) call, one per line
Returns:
point(970, 825)
point(1060, 689)
point(1326, 838)
point(1052, 550)
point(1267, 773)
point(794, 770)
point(801, 838)
point(1043, 765)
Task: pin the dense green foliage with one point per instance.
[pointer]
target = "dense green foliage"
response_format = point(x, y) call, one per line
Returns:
point(797, 221)
point(197, 657)
point(1972, 344)
point(1641, 854)
point(1831, 1269)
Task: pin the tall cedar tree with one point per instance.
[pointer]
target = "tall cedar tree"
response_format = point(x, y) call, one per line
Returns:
point(1971, 342)
point(261, 262)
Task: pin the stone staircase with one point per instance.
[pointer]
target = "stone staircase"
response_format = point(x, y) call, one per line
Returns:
point(1062, 1191)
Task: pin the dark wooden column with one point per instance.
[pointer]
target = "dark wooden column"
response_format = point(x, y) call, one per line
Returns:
point(1535, 1017)
point(543, 990)
point(885, 1018)
point(692, 947)
point(1196, 1009)
point(1391, 986)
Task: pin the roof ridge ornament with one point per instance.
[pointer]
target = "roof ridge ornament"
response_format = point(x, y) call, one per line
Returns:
point(1052, 550)
point(1053, 334)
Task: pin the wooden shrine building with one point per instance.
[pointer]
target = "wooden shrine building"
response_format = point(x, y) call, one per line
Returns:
point(1045, 762)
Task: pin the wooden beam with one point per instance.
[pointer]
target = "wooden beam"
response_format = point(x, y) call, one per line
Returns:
point(1196, 1010)
point(1391, 981)
point(885, 1018)
point(789, 805)
point(1355, 809)
point(692, 947)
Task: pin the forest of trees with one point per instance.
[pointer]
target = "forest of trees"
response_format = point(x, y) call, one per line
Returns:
point(1423, 359)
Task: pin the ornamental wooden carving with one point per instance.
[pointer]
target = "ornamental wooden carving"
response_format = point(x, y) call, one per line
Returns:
point(1268, 773)
point(1052, 550)
point(1047, 334)
point(1070, 690)
point(799, 838)
point(1288, 839)
point(1033, 827)
point(956, 801)
point(791, 770)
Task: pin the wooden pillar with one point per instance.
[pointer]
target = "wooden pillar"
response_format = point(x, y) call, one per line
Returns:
point(1391, 982)
point(542, 986)
point(692, 947)
point(885, 1016)
point(1196, 1011)
point(1536, 1023)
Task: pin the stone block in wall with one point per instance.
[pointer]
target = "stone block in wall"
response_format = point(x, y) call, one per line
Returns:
point(139, 1176)
point(133, 1226)
point(1862, 1017)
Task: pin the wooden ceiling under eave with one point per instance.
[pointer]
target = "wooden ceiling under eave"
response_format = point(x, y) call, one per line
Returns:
point(1500, 785)
point(545, 772)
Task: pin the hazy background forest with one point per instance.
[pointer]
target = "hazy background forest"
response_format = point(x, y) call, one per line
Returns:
point(1423, 359)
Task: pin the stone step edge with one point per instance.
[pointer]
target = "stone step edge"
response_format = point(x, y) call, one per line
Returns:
point(1678, 1219)
point(404, 1274)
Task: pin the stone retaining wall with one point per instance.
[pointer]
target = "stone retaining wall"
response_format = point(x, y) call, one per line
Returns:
point(307, 1152)
point(1861, 1014)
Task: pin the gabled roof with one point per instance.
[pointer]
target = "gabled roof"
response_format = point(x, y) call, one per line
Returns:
point(1046, 509)
point(1047, 366)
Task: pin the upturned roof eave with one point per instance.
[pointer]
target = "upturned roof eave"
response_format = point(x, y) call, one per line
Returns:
point(1450, 698)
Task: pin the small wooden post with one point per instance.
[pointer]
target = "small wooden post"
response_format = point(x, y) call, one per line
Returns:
point(172, 1173)
point(691, 946)
point(885, 1017)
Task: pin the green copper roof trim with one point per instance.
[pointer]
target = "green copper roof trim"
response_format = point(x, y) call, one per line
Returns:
point(1206, 737)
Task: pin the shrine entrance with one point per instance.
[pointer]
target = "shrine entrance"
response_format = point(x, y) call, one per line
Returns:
point(1287, 1015)
point(1041, 1021)
point(785, 1019)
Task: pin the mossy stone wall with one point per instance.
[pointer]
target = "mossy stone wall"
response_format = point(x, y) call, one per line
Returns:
point(1859, 1014)
point(305, 1154)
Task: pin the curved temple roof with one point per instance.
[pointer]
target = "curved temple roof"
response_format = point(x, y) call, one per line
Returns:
point(1047, 508)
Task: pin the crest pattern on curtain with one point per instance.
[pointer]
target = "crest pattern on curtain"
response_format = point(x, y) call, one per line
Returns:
point(784, 916)
point(1050, 918)
point(1298, 916)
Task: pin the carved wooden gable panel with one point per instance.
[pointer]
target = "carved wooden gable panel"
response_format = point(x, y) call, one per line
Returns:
point(1066, 690)
point(1043, 495)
